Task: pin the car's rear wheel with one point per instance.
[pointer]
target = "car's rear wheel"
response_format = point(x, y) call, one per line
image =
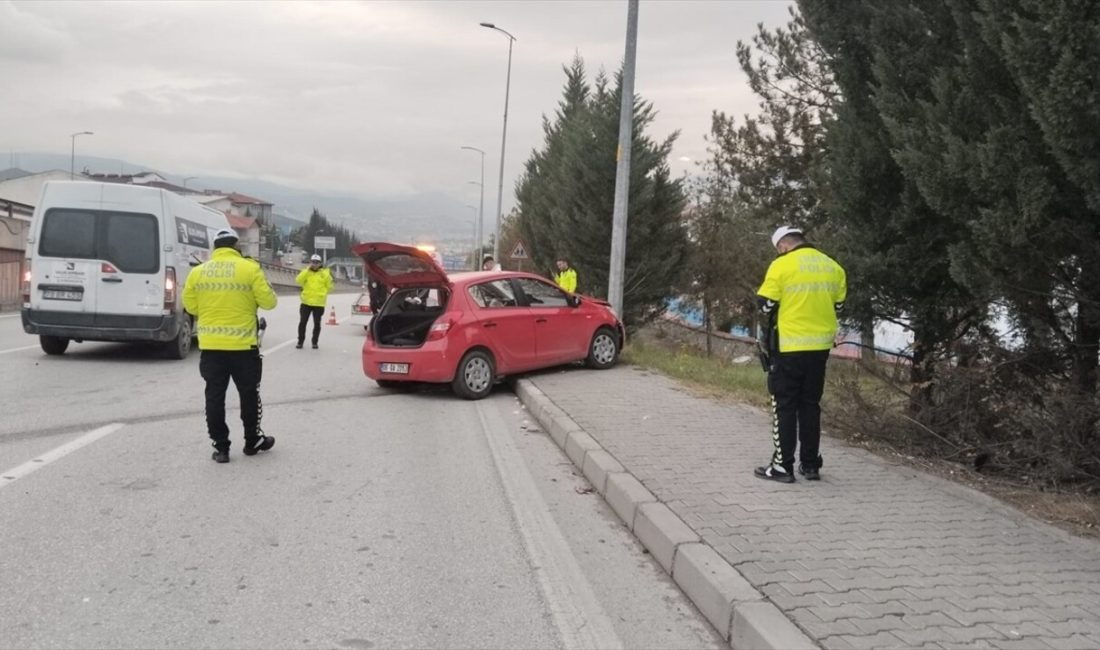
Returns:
point(474, 378)
point(53, 345)
point(603, 351)
point(180, 347)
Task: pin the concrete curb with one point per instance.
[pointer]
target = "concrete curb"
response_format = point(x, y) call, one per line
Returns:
point(739, 612)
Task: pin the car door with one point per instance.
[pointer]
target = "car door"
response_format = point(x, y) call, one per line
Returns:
point(507, 326)
point(560, 332)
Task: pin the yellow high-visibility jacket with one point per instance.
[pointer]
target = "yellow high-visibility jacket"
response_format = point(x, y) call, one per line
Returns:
point(567, 280)
point(223, 295)
point(315, 286)
point(808, 285)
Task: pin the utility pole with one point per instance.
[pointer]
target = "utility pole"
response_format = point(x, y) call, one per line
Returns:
point(622, 170)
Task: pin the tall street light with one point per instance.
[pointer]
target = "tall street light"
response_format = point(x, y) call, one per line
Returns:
point(189, 178)
point(72, 154)
point(477, 244)
point(503, 137)
point(480, 236)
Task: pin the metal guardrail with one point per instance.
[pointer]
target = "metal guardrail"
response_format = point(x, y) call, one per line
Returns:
point(283, 276)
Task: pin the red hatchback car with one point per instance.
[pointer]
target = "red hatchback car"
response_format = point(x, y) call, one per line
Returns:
point(471, 329)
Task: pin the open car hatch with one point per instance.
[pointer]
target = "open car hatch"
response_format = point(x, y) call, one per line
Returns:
point(398, 266)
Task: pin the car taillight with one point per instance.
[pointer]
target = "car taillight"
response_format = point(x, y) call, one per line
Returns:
point(169, 290)
point(439, 330)
point(27, 285)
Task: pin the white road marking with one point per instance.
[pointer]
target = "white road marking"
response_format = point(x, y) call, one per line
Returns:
point(577, 613)
point(25, 347)
point(16, 473)
point(2, 317)
point(277, 347)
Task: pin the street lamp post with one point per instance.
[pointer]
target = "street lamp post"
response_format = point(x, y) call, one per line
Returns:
point(476, 257)
point(72, 154)
point(503, 137)
point(189, 178)
point(480, 236)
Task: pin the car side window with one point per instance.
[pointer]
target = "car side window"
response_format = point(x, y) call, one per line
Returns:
point(542, 294)
point(495, 294)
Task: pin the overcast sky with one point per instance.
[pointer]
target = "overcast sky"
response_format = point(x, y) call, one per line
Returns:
point(371, 99)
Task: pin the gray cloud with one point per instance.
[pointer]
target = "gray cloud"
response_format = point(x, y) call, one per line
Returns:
point(371, 98)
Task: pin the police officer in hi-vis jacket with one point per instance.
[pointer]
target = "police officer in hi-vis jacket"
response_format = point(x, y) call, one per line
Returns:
point(801, 294)
point(223, 295)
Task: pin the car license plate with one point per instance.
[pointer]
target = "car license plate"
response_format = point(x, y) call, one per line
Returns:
point(54, 294)
point(394, 368)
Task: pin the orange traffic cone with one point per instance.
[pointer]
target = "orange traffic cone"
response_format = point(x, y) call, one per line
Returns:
point(331, 316)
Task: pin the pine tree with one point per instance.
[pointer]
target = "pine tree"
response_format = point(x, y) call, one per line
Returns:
point(566, 197)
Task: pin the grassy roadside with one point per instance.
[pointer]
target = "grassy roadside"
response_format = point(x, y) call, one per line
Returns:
point(745, 383)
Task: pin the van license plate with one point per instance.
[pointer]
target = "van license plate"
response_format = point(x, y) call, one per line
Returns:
point(395, 368)
point(53, 294)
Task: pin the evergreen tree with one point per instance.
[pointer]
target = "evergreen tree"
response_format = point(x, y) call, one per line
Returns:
point(896, 248)
point(566, 197)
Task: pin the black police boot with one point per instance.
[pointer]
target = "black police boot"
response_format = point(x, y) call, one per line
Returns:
point(773, 473)
point(263, 443)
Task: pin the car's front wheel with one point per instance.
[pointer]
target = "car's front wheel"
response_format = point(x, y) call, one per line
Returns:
point(474, 378)
point(603, 351)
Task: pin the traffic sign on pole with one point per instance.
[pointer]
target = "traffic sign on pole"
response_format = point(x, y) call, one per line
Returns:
point(519, 252)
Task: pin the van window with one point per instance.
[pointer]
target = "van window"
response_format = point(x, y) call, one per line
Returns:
point(68, 233)
point(129, 241)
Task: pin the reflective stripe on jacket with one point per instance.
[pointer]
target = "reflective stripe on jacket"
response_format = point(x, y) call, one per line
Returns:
point(807, 284)
point(567, 280)
point(315, 286)
point(223, 295)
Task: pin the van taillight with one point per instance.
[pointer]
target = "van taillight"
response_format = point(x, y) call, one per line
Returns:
point(27, 284)
point(169, 290)
point(439, 330)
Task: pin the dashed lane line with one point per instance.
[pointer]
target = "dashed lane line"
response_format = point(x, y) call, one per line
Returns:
point(16, 473)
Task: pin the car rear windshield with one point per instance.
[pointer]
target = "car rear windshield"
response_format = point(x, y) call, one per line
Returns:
point(127, 240)
point(400, 264)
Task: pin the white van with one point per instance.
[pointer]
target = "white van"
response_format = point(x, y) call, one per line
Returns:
point(106, 262)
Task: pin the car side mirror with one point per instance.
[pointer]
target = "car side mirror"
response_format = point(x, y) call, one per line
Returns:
point(574, 301)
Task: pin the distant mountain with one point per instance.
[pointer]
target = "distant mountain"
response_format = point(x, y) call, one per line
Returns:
point(422, 217)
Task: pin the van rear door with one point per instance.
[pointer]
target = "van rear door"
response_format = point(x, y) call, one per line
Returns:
point(65, 270)
point(130, 277)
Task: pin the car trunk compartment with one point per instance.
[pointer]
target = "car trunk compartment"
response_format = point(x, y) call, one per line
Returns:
point(407, 317)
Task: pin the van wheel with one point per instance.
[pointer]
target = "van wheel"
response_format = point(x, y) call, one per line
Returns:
point(474, 377)
point(53, 345)
point(180, 347)
point(603, 350)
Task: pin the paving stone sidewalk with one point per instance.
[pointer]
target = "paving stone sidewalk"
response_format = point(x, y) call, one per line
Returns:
point(872, 556)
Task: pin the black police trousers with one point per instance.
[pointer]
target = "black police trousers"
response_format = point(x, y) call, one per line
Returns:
point(796, 381)
point(244, 367)
point(304, 312)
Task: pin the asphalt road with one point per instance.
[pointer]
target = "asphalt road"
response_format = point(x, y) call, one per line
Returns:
point(378, 520)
